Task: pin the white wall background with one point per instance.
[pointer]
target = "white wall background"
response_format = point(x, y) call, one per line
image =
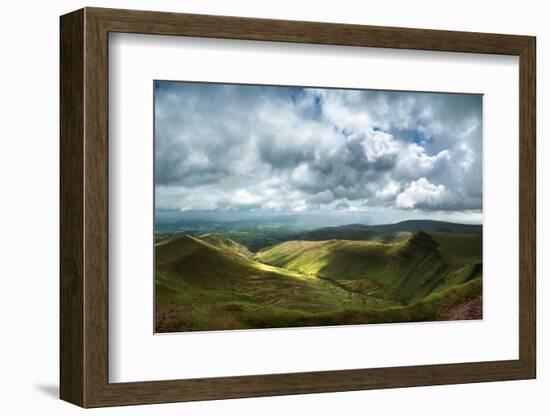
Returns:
point(29, 209)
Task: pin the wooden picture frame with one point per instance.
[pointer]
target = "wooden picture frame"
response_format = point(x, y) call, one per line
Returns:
point(84, 207)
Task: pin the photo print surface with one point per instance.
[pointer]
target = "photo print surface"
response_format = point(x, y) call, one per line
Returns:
point(281, 206)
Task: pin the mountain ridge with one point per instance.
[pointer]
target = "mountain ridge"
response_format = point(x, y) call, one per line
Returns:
point(386, 232)
point(210, 281)
point(401, 271)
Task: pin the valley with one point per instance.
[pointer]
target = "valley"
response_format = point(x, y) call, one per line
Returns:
point(349, 274)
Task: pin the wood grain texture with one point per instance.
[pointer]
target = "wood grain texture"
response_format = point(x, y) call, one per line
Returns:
point(71, 202)
point(84, 207)
point(528, 207)
point(96, 208)
point(225, 27)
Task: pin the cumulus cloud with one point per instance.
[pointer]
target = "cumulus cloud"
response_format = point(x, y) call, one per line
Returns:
point(221, 147)
point(420, 193)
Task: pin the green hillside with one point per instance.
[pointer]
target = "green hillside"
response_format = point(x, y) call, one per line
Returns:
point(435, 307)
point(400, 271)
point(208, 279)
point(459, 248)
point(211, 282)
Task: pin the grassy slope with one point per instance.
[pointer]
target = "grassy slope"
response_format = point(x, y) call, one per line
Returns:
point(402, 271)
point(311, 282)
point(459, 248)
point(431, 308)
point(202, 282)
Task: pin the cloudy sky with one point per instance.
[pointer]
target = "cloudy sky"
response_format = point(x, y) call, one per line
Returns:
point(382, 154)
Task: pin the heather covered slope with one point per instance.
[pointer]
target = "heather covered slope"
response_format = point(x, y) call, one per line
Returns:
point(211, 282)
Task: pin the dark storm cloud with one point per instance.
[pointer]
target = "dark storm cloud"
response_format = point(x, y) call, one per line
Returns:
point(231, 147)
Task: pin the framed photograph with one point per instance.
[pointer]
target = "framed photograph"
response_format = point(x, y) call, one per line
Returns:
point(255, 207)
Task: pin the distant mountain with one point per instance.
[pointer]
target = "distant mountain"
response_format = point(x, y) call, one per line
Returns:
point(429, 225)
point(386, 232)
